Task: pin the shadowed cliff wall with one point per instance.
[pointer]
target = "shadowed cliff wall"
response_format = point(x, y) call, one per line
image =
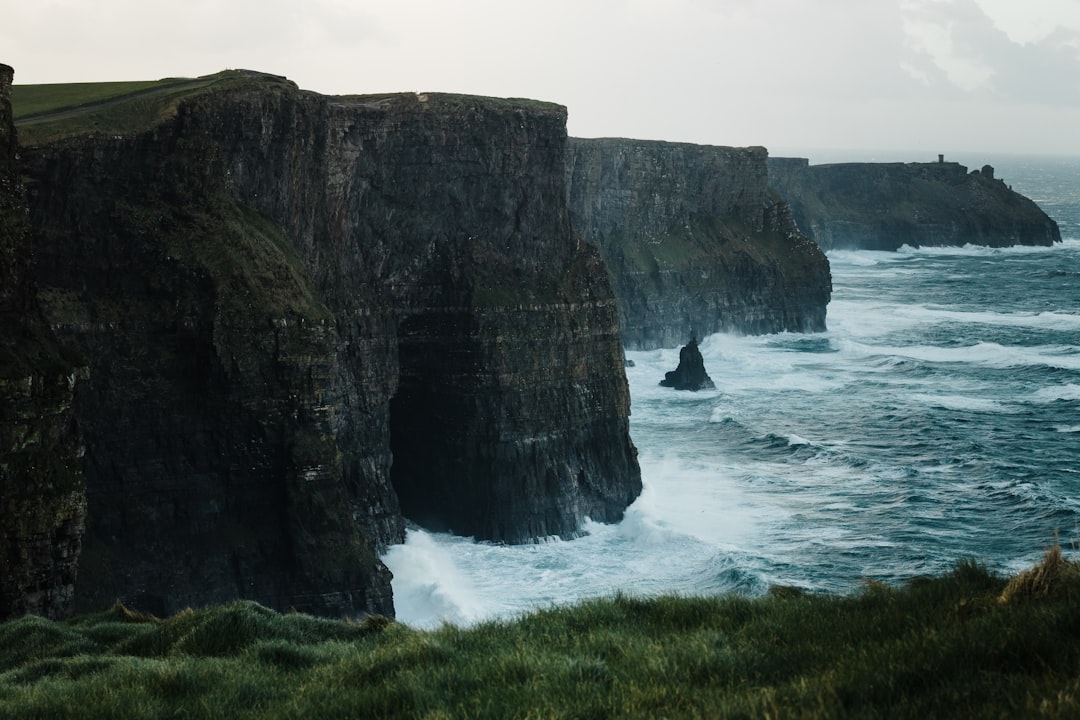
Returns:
point(883, 206)
point(299, 309)
point(42, 500)
point(694, 241)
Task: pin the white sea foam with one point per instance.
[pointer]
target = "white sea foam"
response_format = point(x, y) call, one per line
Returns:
point(1057, 392)
point(977, 250)
point(861, 258)
point(870, 319)
point(866, 318)
point(966, 403)
point(1041, 320)
point(817, 460)
point(986, 354)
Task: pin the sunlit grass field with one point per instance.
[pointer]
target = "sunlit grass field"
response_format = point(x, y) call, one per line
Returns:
point(966, 644)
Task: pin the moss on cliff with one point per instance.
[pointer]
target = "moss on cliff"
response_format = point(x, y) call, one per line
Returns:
point(257, 270)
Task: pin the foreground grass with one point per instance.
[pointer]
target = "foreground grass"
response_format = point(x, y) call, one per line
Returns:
point(966, 644)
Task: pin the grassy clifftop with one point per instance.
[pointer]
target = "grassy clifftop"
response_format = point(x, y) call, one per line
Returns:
point(47, 113)
point(967, 644)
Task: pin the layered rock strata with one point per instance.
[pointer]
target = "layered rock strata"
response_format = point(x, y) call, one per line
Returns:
point(883, 206)
point(299, 309)
point(42, 498)
point(694, 240)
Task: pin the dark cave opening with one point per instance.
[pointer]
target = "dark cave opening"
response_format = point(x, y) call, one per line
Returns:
point(426, 429)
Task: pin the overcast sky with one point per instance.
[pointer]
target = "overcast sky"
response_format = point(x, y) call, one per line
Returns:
point(926, 76)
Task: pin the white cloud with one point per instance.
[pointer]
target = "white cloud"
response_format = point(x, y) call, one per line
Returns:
point(1032, 20)
point(967, 73)
point(886, 73)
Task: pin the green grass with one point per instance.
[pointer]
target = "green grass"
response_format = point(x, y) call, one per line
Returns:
point(966, 644)
point(30, 100)
point(50, 113)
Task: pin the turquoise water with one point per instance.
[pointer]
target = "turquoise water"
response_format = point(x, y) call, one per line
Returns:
point(937, 419)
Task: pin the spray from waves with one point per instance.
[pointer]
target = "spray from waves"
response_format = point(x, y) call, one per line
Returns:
point(429, 585)
point(691, 530)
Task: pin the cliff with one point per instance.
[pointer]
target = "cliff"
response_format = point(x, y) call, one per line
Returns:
point(308, 318)
point(694, 241)
point(882, 206)
point(42, 499)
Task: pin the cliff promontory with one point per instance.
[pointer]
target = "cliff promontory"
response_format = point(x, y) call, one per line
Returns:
point(308, 318)
point(42, 500)
point(883, 206)
point(694, 240)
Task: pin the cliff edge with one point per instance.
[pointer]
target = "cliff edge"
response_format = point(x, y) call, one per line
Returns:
point(883, 206)
point(694, 240)
point(308, 318)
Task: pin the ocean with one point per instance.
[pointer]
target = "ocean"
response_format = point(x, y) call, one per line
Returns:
point(937, 419)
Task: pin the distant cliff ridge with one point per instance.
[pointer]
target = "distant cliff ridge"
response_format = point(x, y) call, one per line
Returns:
point(883, 206)
point(694, 240)
point(308, 318)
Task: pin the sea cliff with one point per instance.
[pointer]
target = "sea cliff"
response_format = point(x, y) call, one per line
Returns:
point(883, 206)
point(42, 499)
point(310, 318)
point(694, 240)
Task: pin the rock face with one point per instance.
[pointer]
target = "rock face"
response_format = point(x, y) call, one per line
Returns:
point(308, 317)
point(690, 373)
point(693, 238)
point(42, 499)
point(882, 206)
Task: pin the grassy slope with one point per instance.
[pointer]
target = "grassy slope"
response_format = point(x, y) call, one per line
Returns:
point(962, 645)
point(48, 113)
point(31, 100)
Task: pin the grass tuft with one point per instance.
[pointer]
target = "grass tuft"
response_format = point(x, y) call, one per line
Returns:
point(1040, 581)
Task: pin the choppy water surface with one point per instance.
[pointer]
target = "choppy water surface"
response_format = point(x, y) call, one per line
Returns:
point(937, 419)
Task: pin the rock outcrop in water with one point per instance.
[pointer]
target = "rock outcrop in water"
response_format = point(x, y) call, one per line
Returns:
point(308, 317)
point(690, 373)
point(42, 499)
point(883, 206)
point(693, 238)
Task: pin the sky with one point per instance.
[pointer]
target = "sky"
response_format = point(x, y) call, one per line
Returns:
point(919, 76)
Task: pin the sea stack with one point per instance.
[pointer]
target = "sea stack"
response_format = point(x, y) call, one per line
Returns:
point(690, 374)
